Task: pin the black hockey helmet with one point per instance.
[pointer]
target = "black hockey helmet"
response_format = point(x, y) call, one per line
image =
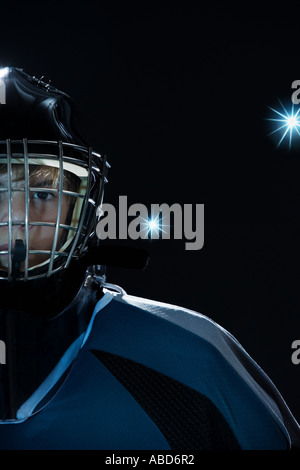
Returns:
point(43, 159)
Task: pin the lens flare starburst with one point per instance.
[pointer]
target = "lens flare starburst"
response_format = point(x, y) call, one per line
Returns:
point(287, 124)
point(153, 226)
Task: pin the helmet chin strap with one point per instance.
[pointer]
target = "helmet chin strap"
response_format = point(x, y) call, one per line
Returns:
point(19, 255)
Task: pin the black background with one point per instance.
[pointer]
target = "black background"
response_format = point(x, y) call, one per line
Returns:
point(177, 98)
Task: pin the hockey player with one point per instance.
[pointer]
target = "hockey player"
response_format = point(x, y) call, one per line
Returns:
point(88, 366)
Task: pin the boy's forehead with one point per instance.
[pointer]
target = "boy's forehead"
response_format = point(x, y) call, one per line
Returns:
point(20, 167)
point(44, 174)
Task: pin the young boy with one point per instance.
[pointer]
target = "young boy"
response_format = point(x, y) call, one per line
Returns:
point(31, 216)
point(88, 366)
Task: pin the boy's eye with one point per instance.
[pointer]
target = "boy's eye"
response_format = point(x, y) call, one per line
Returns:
point(42, 195)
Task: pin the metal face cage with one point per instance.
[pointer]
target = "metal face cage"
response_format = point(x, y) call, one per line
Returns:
point(56, 211)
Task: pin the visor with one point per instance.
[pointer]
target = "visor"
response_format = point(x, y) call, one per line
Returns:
point(56, 191)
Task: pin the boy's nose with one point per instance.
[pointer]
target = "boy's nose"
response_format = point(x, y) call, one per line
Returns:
point(18, 208)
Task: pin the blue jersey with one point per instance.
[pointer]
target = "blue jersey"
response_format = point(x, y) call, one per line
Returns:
point(153, 376)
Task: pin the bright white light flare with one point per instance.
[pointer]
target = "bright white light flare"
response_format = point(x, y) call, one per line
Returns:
point(4, 72)
point(286, 124)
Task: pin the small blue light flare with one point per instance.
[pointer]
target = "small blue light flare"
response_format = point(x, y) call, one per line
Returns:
point(153, 226)
point(286, 123)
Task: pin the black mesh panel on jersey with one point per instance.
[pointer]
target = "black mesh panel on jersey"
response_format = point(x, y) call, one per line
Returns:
point(187, 419)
